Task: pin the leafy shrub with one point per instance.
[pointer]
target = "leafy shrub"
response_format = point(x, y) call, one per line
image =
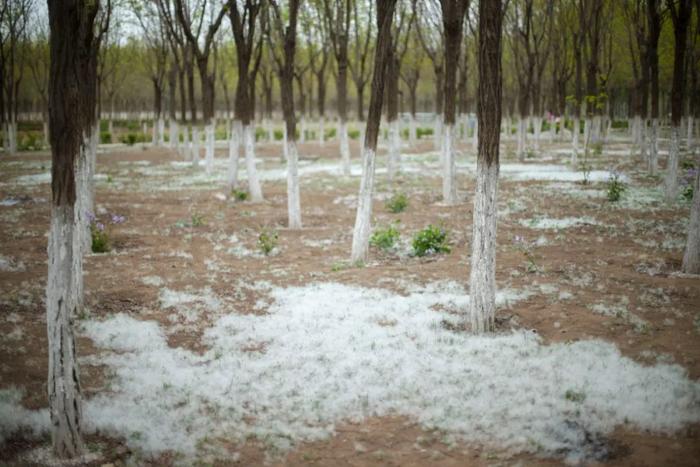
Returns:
point(385, 238)
point(105, 137)
point(586, 168)
point(260, 134)
point(397, 203)
point(129, 139)
point(354, 134)
point(424, 132)
point(239, 195)
point(597, 148)
point(619, 124)
point(330, 133)
point(267, 241)
point(197, 220)
point(279, 135)
point(431, 240)
point(615, 188)
point(30, 141)
point(688, 181)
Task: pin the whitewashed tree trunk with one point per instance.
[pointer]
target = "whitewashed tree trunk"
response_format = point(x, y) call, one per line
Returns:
point(253, 181)
point(643, 149)
point(654, 147)
point(322, 131)
point(482, 284)
point(522, 128)
point(293, 197)
point(576, 135)
point(437, 133)
point(285, 146)
point(475, 136)
point(360, 238)
point(172, 128)
point(394, 159)
point(537, 122)
point(63, 301)
point(195, 146)
point(46, 133)
point(161, 131)
point(412, 130)
point(144, 127)
point(587, 124)
point(110, 128)
point(83, 203)
point(449, 175)
point(209, 138)
point(234, 143)
point(689, 137)
point(344, 146)
point(302, 130)
point(691, 256)
point(671, 179)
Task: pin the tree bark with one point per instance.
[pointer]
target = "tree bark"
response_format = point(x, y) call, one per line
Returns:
point(482, 284)
point(360, 239)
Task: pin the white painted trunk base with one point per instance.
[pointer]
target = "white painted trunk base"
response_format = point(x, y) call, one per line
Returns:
point(437, 133)
point(653, 163)
point(293, 197)
point(344, 146)
point(691, 256)
point(475, 136)
point(482, 282)
point(322, 132)
point(360, 236)
point(173, 134)
point(575, 142)
point(537, 122)
point(689, 137)
point(394, 159)
point(234, 143)
point(253, 181)
point(522, 130)
point(209, 138)
point(449, 174)
point(195, 147)
point(63, 300)
point(671, 179)
point(302, 130)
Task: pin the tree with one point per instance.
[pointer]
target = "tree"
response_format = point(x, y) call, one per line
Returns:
point(654, 21)
point(636, 23)
point(286, 35)
point(397, 53)
point(360, 238)
point(319, 57)
point(410, 75)
point(680, 11)
point(201, 47)
point(243, 23)
point(14, 17)
point(482, 284)
point(429, 30)
point(453, 12)
point(72, 46)
point(337, 15)
point(361, 47)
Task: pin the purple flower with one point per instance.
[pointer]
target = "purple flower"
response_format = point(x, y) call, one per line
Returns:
point(518, 239)
point(100, 226)
point(117, 219)
point(90, 216)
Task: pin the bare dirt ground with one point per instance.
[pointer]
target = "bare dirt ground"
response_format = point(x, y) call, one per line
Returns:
point(625, 261)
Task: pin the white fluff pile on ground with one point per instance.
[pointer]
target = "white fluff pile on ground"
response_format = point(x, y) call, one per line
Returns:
point(328, 352)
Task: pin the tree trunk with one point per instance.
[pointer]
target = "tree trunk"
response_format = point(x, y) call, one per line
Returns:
point(482, 283)
point(360, 238)
point(234, 144)
point(72, 116)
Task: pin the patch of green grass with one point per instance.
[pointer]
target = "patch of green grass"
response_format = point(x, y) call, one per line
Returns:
point(431, 240)
point(385, 238)
point(397, 203)
point(267, 241)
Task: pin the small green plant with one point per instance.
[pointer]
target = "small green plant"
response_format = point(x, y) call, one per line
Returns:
point(385, 238)
point(420, 132)
point(267, 241)
point(574, 396)
point(197, 220)
point(615, 187)
point(585, 167)
point(397, 203)
point(431, 240)
point(109, 179)
point(524, 247)
point(688, 181)
point(239, 195)
point(597, 148)
point(353, 134)
point(100, 239)
point(105, 137)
